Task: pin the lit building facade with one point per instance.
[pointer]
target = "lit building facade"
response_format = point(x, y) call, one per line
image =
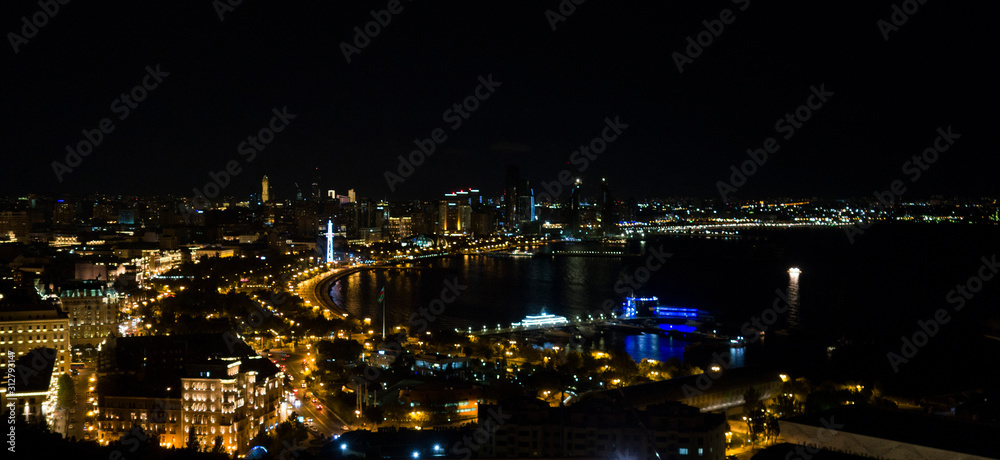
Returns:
point(400, 227)
point(443, 403)
point(173, 385)
point(455, 211)
point(92, 308)
point(159, 416)
point(26, 327)
point(15, 226)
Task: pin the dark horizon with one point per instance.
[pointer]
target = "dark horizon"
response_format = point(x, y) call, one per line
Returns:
point(224, 78)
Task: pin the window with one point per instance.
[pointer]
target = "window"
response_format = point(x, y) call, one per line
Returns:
point(682, 451)
point(701, 451)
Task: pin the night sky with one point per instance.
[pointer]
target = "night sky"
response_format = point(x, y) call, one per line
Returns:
point(605, 59)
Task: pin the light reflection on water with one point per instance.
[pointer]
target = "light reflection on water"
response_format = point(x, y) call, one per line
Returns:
point(793, 300)
point(660, 348)
point(653, 346)
point(500, 290)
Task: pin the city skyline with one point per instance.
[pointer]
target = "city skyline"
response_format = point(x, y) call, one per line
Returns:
point(395, 229)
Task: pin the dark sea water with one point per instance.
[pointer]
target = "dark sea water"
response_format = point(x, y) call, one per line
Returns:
point(866, 294)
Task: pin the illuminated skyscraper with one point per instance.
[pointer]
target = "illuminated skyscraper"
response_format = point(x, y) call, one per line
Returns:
point(265, 193)
point(329, 241)
point(455, 211)
point(518, 200)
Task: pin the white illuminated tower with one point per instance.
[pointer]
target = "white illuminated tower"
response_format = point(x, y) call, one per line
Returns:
point(329, 241)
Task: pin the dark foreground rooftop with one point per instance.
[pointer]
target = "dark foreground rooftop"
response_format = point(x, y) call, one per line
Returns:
point(934, 431)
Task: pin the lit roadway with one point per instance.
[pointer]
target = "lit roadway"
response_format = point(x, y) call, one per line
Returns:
point(324, 421)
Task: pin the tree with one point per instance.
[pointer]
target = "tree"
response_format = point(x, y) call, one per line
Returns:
point(785, 405)
point(395, 411)
point(753, 412)
point(291, 432)
point(531, 354)
point(67, 392)
point(374, 414)
point(192, 442)
point(261, 439)
point(217, 448)
point(771, 427)
point(340, 351)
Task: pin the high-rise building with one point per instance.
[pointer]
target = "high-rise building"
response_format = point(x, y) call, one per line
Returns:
point(400, 227)
point(455, 212)
point(64, 214)
point(574, 197)
point(265, 192)
point(306, 218)
point(608, 213)
point(15, 226)
point(518, 200)
point(510, 197)
point(316, 193)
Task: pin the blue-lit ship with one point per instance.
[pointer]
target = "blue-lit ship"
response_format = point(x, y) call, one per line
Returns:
point(648, 311)
point(687, 323)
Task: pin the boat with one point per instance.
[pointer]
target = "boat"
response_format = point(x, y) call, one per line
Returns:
point(542, 320)
point(647, 310)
